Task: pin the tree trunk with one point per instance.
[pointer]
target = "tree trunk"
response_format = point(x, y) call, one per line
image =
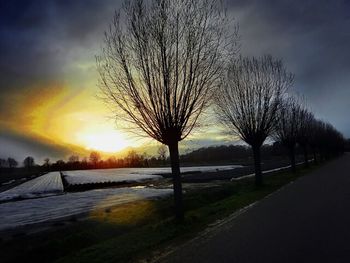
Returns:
point(305, 156)
point(321, 155)
point(175, 169)
point(257, 166)
point(292, 159)
point(315, 157)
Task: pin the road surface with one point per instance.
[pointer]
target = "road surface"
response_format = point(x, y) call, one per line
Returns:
point(306, 221)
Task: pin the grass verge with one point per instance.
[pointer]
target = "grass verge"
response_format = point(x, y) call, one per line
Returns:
point(133, 231)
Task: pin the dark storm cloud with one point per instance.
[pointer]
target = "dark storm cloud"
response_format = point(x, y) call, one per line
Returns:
point(313, 39)
point(39, 39)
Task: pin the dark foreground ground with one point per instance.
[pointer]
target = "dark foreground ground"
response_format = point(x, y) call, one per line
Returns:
point(306, 221)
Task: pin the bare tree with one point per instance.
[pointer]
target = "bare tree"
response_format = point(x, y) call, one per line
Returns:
point(248, 100)
point(330, 141)
point(29, 162)
point(315, 137)
point(133, 159)
point(73, 158)
point(161, 60)
point(305, 132)
point(3, 163)
point(288, 126)
point(47, 162)
point(162, 153)
point(12, 162)
point(95, 157)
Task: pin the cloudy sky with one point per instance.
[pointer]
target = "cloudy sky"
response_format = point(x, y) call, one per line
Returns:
point(48, 104)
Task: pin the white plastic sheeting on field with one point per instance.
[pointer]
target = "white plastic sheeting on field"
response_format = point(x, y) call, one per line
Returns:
point(105, 176)
point(132, 174)
point(31, 211)
point(47, 184)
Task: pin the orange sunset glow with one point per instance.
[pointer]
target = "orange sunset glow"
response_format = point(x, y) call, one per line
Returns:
point(68, 115)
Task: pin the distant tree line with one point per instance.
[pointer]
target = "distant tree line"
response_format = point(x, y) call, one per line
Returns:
point(94, 161)
point(232, 154)
point(11, 163)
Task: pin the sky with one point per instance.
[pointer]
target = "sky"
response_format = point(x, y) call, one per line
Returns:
point(48, 79)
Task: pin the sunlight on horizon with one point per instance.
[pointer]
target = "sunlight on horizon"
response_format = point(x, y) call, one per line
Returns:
point(106, 141)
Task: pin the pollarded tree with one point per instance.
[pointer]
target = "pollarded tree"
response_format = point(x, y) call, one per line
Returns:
point(314, 137)
point(304, 135)
point(249, 98)
point(332, 141)
point(288, 126)
point(159, 65)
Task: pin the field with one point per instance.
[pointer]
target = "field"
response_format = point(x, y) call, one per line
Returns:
point(45, 185)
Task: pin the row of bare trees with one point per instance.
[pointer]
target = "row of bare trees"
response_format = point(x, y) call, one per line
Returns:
point(297, 125)
point(12, 163)
point(9, 162)
point(165, 61)
point(254, 103)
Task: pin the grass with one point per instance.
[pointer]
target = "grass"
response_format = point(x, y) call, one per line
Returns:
point(135, 230)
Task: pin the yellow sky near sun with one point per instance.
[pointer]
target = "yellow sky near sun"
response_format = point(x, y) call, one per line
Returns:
point(69, 116)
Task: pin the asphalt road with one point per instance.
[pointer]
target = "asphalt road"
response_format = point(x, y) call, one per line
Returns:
point(306, 221)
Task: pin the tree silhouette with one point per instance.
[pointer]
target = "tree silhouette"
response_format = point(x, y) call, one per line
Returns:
point(161, 60)
point(288, 126)
point(95, 157)
point(248, 100)
point(133, 159)
point(304, 133)
point(3, 163)
point(162, 153)
point(46, 164)
point(73, 158)
point(28, 162)
point(12, 162)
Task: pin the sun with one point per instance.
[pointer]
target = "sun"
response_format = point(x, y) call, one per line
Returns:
point(105, 141)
